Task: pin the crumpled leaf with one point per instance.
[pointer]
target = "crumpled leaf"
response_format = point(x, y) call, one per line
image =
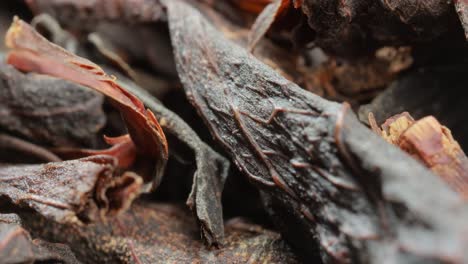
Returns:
point(49, 111)
point(164, 233)
point(211, 168)
point(32, 52)
point(335, 185)
point(73, 191)
point(17, 246)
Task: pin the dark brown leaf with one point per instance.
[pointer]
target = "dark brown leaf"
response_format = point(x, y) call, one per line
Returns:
point(70, 191)
point(210, 174)
point(205, 198)
point(334, 184)
point(49, 111)
point(162, 233)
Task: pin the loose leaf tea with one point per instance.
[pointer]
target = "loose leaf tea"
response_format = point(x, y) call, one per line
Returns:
point(73, 191)
point(212, 168)
point(32, 52)
point(182, 88)
point(351, 195)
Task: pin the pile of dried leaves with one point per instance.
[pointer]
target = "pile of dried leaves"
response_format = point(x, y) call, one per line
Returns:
point(344, 122)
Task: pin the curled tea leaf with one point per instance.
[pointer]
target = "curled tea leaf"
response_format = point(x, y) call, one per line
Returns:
point(32, 52)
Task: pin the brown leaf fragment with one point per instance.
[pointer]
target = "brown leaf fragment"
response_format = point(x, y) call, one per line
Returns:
point(265, 20)
point(337, 189)
point(164, 233)
point(32, 52)
point(49, 111)
point(17, 246)
point(70, 191)
point(461, 7)
point(431, 143)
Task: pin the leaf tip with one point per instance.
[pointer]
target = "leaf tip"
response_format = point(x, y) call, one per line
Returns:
point(13, 31)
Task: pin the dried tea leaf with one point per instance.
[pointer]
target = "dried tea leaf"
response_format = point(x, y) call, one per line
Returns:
point(339, 187)
point(211, 168)
point(431, 143)
point(265, 20)
point(49, 111)
point(164, 233)
point(70, 191)
point(17, 246)
point(32, 52)
point(205, 198)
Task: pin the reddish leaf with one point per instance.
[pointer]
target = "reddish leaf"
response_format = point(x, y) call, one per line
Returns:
point(32, 52)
